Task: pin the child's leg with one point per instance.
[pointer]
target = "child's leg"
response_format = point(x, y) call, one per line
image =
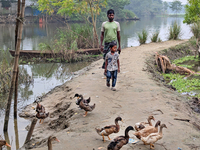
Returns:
point(114, 78)
point(108, 78)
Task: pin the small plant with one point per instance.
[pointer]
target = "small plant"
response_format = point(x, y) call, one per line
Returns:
point(195, 28)
point(174, 31)
point(143, 36)
point(155, 37)
point(159, 40)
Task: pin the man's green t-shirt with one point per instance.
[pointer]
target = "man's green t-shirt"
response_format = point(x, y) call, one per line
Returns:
point(110, 30)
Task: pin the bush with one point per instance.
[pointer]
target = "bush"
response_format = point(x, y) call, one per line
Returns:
point(68, 40)
point(129, 14)
point(174, 32)
point(143, 36)
point(195, 28)
point(154, 38)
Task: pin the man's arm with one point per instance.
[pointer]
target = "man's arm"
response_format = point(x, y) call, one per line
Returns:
point(102, 37)
point(119, 42)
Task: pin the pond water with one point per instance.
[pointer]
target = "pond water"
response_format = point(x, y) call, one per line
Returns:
point(47, 76)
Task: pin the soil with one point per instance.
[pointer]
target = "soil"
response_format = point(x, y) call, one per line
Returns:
point(137, 96)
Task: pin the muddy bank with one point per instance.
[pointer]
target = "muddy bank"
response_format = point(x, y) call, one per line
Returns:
point(137, 97)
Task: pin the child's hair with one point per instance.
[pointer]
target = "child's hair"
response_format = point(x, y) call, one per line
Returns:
point(113, 44)
point(110, 11)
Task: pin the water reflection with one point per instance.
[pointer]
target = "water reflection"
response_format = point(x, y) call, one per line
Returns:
point(33, 34)
point(46, 76)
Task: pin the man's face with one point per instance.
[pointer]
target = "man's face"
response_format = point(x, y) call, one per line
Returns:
point(110, 17)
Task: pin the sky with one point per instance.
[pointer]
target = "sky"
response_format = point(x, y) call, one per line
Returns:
point(183, 1)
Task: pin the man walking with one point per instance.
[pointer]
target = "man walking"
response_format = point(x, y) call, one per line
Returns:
point(110, 32)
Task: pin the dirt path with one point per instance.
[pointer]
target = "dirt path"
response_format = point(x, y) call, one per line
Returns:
point(137, 97)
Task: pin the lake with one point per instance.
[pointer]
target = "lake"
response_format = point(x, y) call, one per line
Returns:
point(46, 76)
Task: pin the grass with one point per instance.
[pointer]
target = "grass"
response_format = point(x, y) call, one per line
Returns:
point(143, 37)
point(67, 40)
point(174, 32)
point(195, 29)
point(182, 84)
point(154, 37)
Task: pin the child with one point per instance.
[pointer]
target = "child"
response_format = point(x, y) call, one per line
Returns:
point(112, 65)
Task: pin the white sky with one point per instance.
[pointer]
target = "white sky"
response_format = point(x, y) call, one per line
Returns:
point(183, 1)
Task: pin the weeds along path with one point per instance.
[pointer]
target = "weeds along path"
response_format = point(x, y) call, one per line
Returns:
point(137, 97)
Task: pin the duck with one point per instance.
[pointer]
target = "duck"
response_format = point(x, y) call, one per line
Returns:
point(80, 97)
point(147, 130)
point(153, 137)
point(84, 104)
point(40, 108)
point(2, 143)
point(50, 139)
point(107, 130)
point(41, 114)
point(120, 141)
point(142, 125)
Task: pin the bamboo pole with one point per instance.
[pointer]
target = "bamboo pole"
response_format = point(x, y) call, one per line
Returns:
point(14, 68)
point(16, 94)
point(17, 22)
point(16, 134)
point(30, 132)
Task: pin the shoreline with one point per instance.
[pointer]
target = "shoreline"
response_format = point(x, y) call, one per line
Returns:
point(137, 96)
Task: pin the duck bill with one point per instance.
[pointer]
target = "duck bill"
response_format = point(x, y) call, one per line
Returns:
point(7, 144)
point(57, 140)
point(122, 121)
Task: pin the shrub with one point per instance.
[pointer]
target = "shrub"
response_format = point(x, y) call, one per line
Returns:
point(174, 32)
point(154, 37)
point(143, 36)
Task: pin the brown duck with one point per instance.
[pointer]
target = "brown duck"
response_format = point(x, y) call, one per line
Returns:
point(147, 130)
point(41, 114)
point(120, 141)
point(2, 143)
point(84, 104)
point(153, 137)
point(50, 139)
point(107, 130)
point(142, 125)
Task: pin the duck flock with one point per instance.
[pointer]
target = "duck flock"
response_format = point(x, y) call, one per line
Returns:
point(144, 131)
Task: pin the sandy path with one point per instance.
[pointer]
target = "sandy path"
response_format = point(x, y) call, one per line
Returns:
point(137, 97)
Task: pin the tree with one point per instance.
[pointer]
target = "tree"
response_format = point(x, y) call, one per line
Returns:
point(176, 6)
point(165, 7)
point(145, 7)
point(192, 14)
point(87, 9)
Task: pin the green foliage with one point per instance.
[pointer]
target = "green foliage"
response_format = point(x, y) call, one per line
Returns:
point(176, 6)
point(192, 14)
point(154, 37)
point(68, 40)
point(174, 32)
point(183, 59)
point(146, 7)
point(195, 28)
point(143, 36)
point(159, 40)
point(181, 83)
point(129, 14)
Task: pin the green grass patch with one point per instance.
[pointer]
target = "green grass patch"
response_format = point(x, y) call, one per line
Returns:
point(181, 83)
point(183, 59)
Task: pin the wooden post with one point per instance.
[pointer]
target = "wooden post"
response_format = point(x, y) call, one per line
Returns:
point(17, 22)
point(30, 132)
point(17, 51)
point(7, 139)
point(16, 94)
point(16, 134)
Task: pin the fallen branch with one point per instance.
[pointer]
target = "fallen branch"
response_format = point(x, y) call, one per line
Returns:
point(187, 120)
